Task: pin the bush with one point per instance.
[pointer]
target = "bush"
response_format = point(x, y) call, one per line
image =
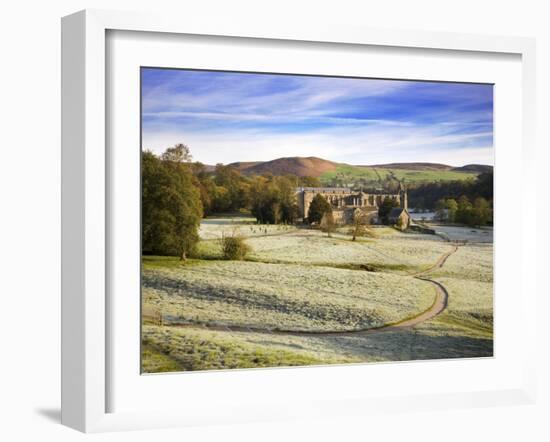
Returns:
point(234, 248)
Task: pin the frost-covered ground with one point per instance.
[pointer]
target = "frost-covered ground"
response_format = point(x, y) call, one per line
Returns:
point(468, 277)
point(392, 252)
point(395, 252)
point(283, 296)
point(215, 228)
point(470, 234)
point(299, 279)
point(470, 262)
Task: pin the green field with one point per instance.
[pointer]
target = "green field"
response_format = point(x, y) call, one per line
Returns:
point(367, 175)
point(301, 298)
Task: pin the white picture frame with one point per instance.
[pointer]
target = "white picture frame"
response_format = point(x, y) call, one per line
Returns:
point(86, 202)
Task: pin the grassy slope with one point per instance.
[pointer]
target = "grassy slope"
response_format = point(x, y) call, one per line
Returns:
point(194, 349)
point(352, 172)
point(468, 277)
point(392, 252)
point(283, 296)
point(373, 175)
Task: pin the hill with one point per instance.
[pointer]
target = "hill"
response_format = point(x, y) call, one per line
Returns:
point(299, 166)
point(477, 168)
point(413, 166)
point(340, 174)
point(243, 166)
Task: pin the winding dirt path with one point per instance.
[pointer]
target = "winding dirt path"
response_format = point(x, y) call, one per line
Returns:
point(439, 304)
point(438, 264)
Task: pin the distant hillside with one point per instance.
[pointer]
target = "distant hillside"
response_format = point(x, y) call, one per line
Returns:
point(339, 174)
point(299, 166)
point(477, 168)
point(243, 166)
point(413, 166)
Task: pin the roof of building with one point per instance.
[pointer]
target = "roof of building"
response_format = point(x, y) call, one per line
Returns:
point(395, 212)
point(346, 190)
point(325, 189)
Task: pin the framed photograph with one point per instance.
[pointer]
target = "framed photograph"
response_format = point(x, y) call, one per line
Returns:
point(269, 223)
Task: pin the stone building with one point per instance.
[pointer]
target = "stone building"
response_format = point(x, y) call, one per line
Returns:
point(400, 218)
point(347, 203)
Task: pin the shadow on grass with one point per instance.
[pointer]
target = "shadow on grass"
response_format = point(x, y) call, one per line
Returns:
point(410, 344)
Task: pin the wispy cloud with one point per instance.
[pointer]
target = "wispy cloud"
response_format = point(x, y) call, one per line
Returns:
point(226, 117)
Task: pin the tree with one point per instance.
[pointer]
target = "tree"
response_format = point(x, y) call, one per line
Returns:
point(464, 211)
point(429, 194)
point(385, 209)
point(482, 213)
point(273, 199)
point(452, 207)
point(286, 195)
point(360, 226)
point(441, 210)
point(171, 205)
point(446, 209)
point(238, 191)
point(327, 223)
point(180, 153)
point(318, 207)
point(221, 199)
point(441, 204)
point(206, 185)
point(309, 181)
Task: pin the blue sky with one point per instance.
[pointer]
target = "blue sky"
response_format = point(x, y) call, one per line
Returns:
point(225, 117)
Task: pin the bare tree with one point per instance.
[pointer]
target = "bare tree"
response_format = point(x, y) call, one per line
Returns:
point(360, 226)
point(327, 223)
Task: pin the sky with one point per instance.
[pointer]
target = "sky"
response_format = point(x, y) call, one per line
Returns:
point(226, 117)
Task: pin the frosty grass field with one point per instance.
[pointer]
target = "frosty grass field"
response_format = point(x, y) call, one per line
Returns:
point(279, 307)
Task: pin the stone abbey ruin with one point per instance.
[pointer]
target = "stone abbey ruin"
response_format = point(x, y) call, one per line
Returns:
point(347, 204)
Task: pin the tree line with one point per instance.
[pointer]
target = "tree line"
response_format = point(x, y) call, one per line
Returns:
point(271, 199)
point(463, 211)
point(427, 195)
point(177, 193)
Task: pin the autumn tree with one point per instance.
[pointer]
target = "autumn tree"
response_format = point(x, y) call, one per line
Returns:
point(452, 206)
point(464, 211)
point(482, 212)
point(179, 153)
point(327, 223)
point(309, 181)
point(360, 226)
point(171, 203)
point(237, 190)
point(273, 199)
point(446, 209)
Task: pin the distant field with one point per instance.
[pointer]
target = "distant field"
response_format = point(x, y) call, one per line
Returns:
point(234, 314)
point(373, 175)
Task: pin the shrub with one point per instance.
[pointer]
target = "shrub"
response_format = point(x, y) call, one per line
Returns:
point(234, 248)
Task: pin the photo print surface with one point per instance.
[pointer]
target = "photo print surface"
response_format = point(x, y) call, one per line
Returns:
point(293, 220)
